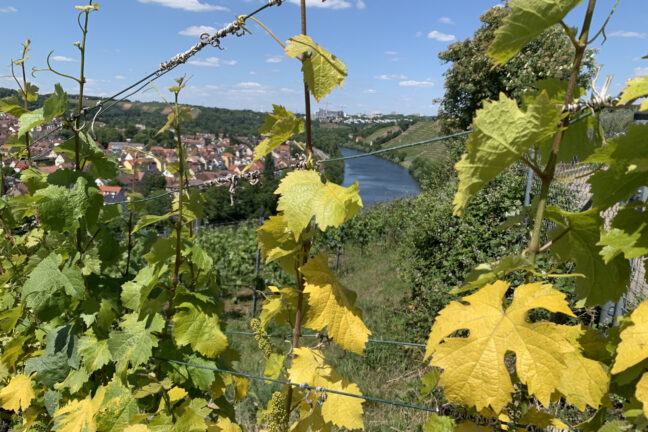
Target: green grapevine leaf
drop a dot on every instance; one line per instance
(541, 419)
(331, 305)
(429, 382)
(636, 88)
(95, 352)
(196, 324)
(59, 358)
(628, 235)
(490, 272)
(604, 282)
(438, 423)
(11, 105)
(322, 70)
(54, 106)
(117, 408)
(502, 134)
(135, 292)
(47, 288)
(191, 416)
(528, 19)
(134, 343)
(147, 220)
(622, 154)
(273, 365)
(278, 127)
(102, 165)
(304, 196)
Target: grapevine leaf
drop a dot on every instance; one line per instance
(633, 348)
(322, 70)
(191, 416)
(273, 365)
(135, 292)
(11, 105)
(30, 120)
(95, 352)
(134, 343)
(310, 367)
(54, 106)
(620, 181)
(280, 306)
(74, 381)
(304, 196)
(584, 382)
(604, 282)
(59, 358)
(502, 133)
(117, 408)
(196, 324)
(527, 20)
(224, 425)
(18, 394)
(147, 220)
(490, 272)
(628, 235)
(137, 428)
(76, 416)
(331, 305)
(46, 288)
(438, 423)
(636, 88)
(277, 242)
(475, 373)
(429, 382)
(642, 392)
(278, 127)
(541, 419)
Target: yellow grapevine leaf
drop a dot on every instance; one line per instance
(527, 20)
(331, 305)
(224, 425)
(322, 70)
(584, 382)
(137, 428)
(502, 133)
(304, 196)
(278, 127)
(281, 306)
(310, 367)
(633, 347)
(18, 394)
(642, 392)
(636, 88)
(76, 416)
(277, 243)
(541, 419)
(474, 369)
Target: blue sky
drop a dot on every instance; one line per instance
(389, 46)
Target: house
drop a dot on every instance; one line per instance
(113, 194)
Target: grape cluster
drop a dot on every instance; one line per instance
(262, 338)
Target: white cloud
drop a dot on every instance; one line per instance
(288, 90)
(420, 84)
(360, 4)
(62, 58)
(628, 34)
(445, 20)
(229, 62)
(329, 4)
(208, 62)
(391, 77)
(274, 59)
(188, 5)
(441, 37)
(369, 91)
(197, 30)
(392, 53)
(8, 9)
(120, 77)
(640, 71)
(248, 85)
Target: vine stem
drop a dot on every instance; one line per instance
(550, 169)
(306, 250)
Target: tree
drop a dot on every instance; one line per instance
(472, 78)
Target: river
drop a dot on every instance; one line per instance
(379, 179)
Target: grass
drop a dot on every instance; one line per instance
(385, 371)
(380, 133)
(420, 131)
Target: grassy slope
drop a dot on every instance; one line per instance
(386, 371)
(421, 131)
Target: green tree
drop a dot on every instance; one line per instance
(471, 77)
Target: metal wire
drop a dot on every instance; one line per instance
(317, 335)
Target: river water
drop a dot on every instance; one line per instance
(378, 179)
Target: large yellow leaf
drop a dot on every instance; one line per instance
(304, 196)
(642, 392)
(277, 243)
(331, 305)
(475, 372)
(77, 416)
(502, 133)
(633, 347)
(223, 425)
(322, 70)
(18, 394)
(310, 367)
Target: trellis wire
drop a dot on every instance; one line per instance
(326, 390)
(317, 335)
